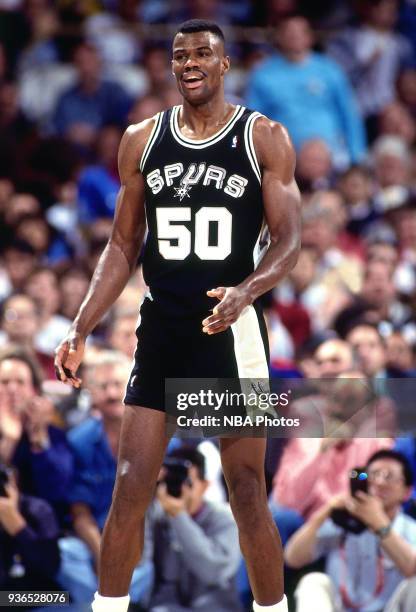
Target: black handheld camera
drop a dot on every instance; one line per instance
(342, 518)
(176, 475)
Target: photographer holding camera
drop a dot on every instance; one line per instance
(29, 553)
(196, 550)
(363, 566)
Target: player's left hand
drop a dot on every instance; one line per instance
(232, 302)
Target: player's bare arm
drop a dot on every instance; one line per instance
(281, 203)
(119, 257)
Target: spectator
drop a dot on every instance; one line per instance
(372, 53)
(19, 325)
(40, 26)
(16, 131)
(93, 102)
(43, 457)
(403, 221)
(98, 184)
(392, 165)
(42, 286)
(112, 33)
(95, 447)
(19, 321)
(145, 107)
(377, 303)
(388, 543)
(399, 353)
(35, 230)
(18, 206)
(303, 288)
(49, 248)
(324, 220)
(333, 357)
(196, 551)
(382, 252)
(156, 61)
(313, 470)
(122, 334)
(369, 348)
(32, 442)
(396, 120)
(29, 553)
(19, 261)
(308, 93)
(20, 381)
(379, 291)
(73, 285)
(406, 88)
(356, 187)
(314, 166)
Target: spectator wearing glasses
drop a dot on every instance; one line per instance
(362, 570)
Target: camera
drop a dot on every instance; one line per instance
(358, 482)
(176, 475)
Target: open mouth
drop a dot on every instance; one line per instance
(192, 80)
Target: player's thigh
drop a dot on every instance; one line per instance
(143, 443)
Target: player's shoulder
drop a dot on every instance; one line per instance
(269, 135)
(268, 128)
(134, 141)
(139, 132)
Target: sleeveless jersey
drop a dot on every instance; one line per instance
(204, 212)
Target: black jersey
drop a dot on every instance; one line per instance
(204, 211)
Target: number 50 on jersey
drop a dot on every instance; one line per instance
(175, 240)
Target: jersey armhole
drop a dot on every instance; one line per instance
(249, 144)
(151, 140)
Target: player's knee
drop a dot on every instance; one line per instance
(130, 500)
(247, 494)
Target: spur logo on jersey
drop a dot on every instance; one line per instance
(195, 174)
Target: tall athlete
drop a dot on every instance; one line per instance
(201, 177)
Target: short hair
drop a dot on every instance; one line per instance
(361, 322)
(292, 15)
(356, 169)
(12, 296)
(16, 353)
(103, 359)
(386, 453)
(194, 456)
(200, 25)
(21, 246)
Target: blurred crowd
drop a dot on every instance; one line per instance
(341, 76)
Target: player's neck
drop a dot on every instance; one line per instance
(203, 119)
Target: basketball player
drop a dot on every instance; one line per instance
(201, 177)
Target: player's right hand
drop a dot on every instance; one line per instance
(68, 357)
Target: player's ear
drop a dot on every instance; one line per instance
(171, 64)
(225, 64)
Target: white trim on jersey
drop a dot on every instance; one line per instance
(151, 140)
(202, 144)
(249, 349)
(248, 141)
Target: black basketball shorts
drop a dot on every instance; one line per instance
(178, 348)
